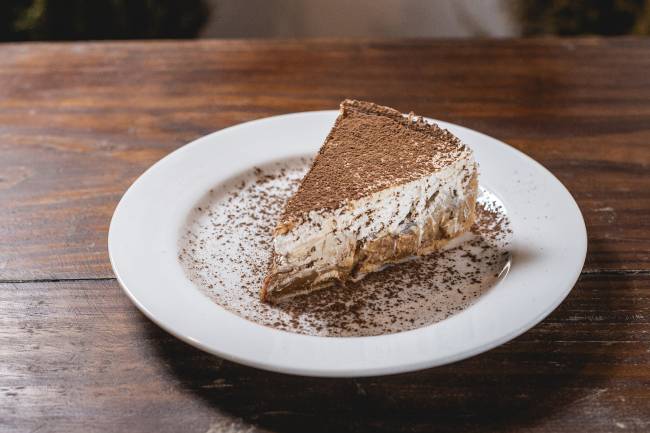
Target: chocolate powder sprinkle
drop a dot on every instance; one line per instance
(370, 148)
(226, 245)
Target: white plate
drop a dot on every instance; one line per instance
(549, 245)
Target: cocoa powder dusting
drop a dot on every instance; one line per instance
(227, 244)
(370, 148)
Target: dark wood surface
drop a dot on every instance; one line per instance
(79, 122)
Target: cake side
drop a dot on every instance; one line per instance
(365, 235)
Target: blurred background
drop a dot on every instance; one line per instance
(41, 20)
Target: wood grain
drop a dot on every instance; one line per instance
(79, 122)
(77, 356)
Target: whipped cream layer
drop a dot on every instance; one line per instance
(364, 235)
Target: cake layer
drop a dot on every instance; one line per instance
(368, 234)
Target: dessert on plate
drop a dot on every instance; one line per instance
(384, 188)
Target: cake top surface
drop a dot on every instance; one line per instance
(371, 148)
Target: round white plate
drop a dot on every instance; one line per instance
(549, 245)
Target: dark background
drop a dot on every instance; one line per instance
(36, 20)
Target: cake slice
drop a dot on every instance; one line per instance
(384, 188)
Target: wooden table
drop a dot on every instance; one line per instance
(79, 122)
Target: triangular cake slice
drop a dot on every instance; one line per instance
(384, 187)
